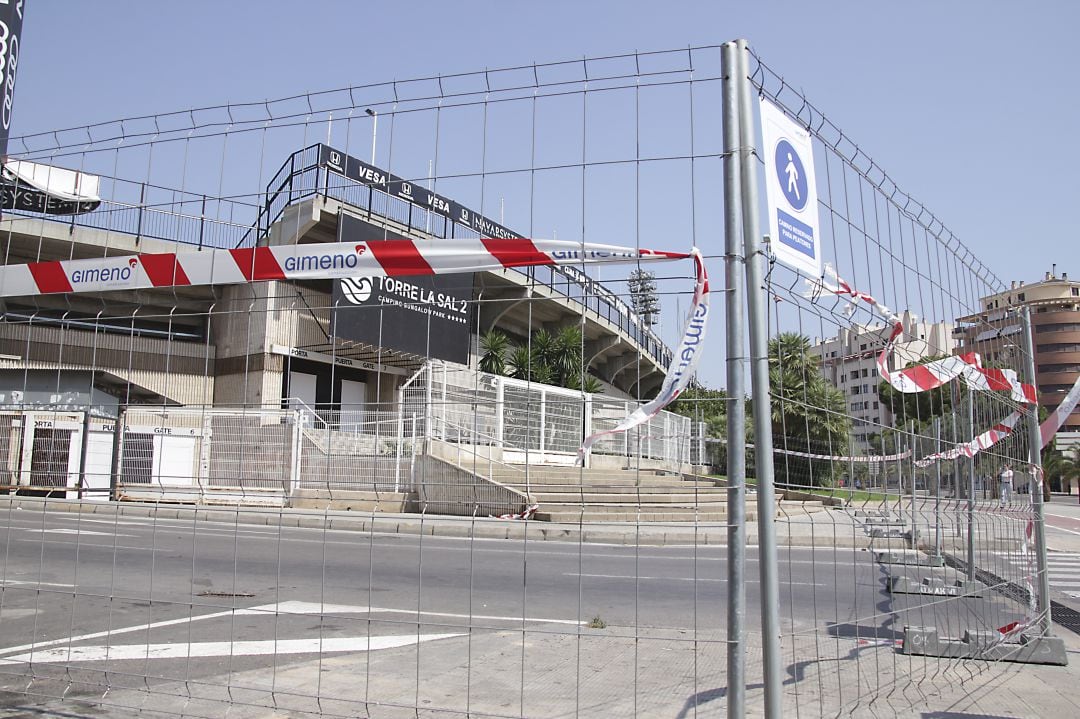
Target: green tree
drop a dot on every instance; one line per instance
(547, 358)
(495, 348)
(808, 413)
(1061, 468)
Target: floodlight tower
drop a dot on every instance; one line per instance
(642, 284)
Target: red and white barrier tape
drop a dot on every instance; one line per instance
(931, 375)
(684, 361)
(526, 513)
(382, 258)
(829, 457)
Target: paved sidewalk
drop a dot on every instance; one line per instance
(558, 672)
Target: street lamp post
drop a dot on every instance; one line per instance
(374, 130)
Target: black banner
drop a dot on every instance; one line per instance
(16, 196)
(353, 168)
(11, 21)
(429, 316)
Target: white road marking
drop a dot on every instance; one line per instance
(79, 532)
(1062, 529)
(674, 579)
(32, 583)
(287, 607)
(136, 628)
(315, 608)
(260, 647)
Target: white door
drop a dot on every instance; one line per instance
(353, 397)
(174, 461)
(302, 390)
(98, 472)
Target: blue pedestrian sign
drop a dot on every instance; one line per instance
(792, 175)
(791, 191)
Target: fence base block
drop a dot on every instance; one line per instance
(936, 586)
(889, 532)
(872, 513)
(988, 645)
(884, 521)
(909, 558)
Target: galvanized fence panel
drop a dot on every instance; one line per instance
(223, 501)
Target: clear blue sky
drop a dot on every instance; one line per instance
(970, 105)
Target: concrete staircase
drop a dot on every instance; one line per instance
(572, 494)
(348, 500)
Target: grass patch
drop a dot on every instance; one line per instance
(855, 496)
(597, 623)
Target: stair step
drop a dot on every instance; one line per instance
(578, 498)
(356, 501)
(591, 516)
(587, 481)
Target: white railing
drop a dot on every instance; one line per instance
(537, 423)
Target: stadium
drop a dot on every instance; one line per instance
(339, 392)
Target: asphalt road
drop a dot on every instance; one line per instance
(90, 602)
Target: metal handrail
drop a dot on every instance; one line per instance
(644, 337)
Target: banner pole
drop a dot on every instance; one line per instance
(756, 263)
(1035, 459)
(736, 407)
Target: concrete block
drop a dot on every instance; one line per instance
(917, 559)
(936, 586)
(990, 646)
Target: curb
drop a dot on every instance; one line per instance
(385, 523)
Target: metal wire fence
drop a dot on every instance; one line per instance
(364, 494)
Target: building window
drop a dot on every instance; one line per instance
(865, 373)
(1020, 297)
(1076, 291)
(875, 405)
(855, 389)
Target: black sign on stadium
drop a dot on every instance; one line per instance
(355, 169)
(428, 315)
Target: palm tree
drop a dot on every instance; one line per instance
(495, 347)
(808, 414)
(565, 358)
(1063, 466)
(546, 359)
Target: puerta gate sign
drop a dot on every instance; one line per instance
(425, 315)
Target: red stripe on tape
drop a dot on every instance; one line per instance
(164, 270)
(924, 379)
(400, 258)
(516, 253)
(49, 277)
(257, 263)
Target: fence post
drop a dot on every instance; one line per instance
(297, 453)
(500, 411)
(142, 203)
(937, 489)
(587, 423)
(202, 221)
(117, 453)
(755, 262)
(736, 408)
(971, 490)
(1035, 459)
(543, 422)
(914, 515)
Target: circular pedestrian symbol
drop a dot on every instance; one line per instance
(790, 174)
